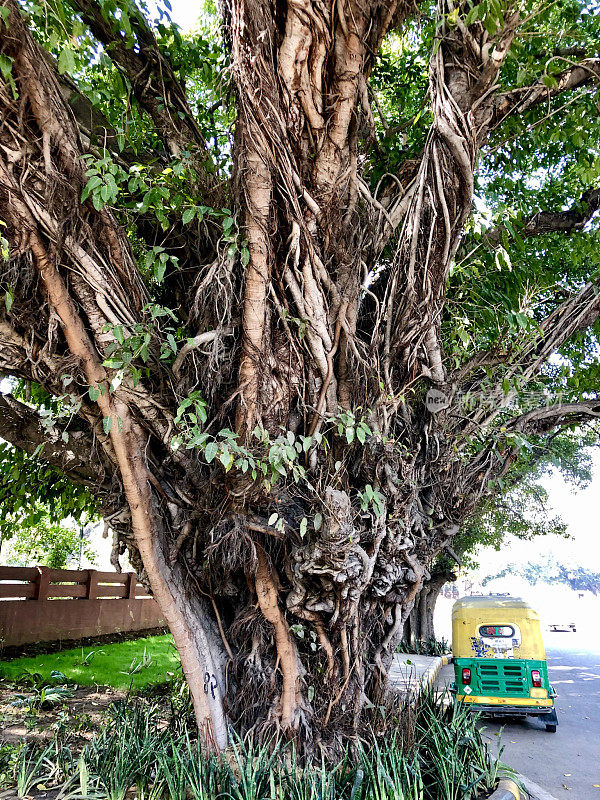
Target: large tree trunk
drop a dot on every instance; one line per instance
(289, 539)
(419, 626)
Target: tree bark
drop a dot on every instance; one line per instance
(419, 627)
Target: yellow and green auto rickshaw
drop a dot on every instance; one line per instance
(499, 658)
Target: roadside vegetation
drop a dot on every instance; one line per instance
(147, 749)
(134, 664)
(425, 647)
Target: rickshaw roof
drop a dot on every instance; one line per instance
(490, 601)
(469, 613)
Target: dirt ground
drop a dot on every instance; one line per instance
(81, 713)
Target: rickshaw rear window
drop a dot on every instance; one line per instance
(497, 631)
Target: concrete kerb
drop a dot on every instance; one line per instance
(412, 673)
(532, 790)
(432, 672)
(509, 790)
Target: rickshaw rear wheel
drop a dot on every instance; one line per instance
(550, 727)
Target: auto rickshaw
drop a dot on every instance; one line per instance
(499, 658)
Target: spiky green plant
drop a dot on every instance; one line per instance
(126, 751)
(252, 778)
(390, 773)
(202, 772)
(31, 769)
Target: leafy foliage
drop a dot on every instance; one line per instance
(47, 544)
(521, 509)
(35, 497)
(577, 578)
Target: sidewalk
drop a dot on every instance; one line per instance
(410, 672)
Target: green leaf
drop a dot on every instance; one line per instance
(464, 336)
(8, 300)
(107, 424)
(549, 81)
(318, 521)
(66, 61)
(307, 443)
(210, 451)
(113, 363)
(6, 64)
(188, 215)
(93, 393)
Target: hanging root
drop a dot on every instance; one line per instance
(287, 656)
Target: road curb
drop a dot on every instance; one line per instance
(532, 790)
(432, 672)
(507, 790)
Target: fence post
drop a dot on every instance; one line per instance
(131, 584)
(92, 585)
(42, 584)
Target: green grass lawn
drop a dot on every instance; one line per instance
(109, 666)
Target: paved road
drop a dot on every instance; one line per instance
(565, 763)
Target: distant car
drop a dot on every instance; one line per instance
(563, 627)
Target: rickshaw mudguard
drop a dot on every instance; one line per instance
(523, 704)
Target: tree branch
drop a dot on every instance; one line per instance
(152, 77)
(577, 312)
(543, 420)
(519, 101)
(77, 457)
(542, 222)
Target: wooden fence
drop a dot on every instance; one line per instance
(99, 603)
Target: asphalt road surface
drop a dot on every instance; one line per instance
(566, 763)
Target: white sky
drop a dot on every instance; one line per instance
(184, 12)
(579, 509)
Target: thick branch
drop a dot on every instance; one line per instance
(576, 313)
(543, 420)
(519, 101)
(77, 457)
(152, 77)
(542, 222)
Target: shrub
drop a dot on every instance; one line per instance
(432, 750)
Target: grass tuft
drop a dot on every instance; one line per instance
(136, 664)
